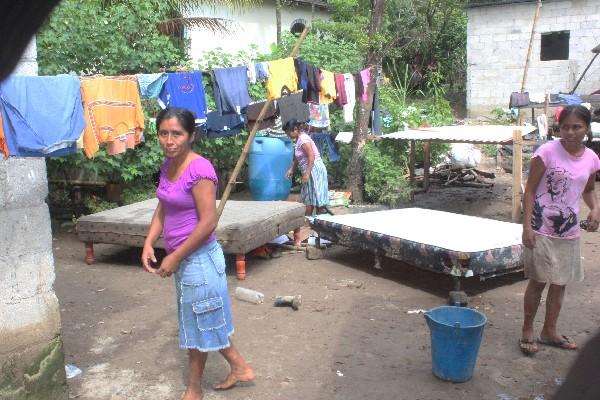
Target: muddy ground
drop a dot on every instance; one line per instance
(351, 339)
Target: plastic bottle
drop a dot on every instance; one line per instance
(249, 295)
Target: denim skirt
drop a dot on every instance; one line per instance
(203, 305)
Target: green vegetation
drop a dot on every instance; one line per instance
(422, 44)
(82, 37)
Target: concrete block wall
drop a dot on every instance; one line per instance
(31, 359)
(497, 43)
(31, 356)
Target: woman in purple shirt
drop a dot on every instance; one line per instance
(187, 218)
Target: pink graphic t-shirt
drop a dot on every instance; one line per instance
(557, 197)
(181, 214)
(299, 152)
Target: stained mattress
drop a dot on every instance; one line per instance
(434, 240)
(244, 225)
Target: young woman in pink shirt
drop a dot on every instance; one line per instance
(561, 172)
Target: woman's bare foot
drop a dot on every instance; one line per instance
(236, 376)
(192, 394)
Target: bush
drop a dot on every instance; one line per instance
(82, 37)
(384, 175)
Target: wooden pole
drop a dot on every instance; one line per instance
(547, 134)
(517, 173)
(526, 69)
(246, 149)
(426, 164)
(411, 161)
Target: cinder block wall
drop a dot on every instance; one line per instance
(497, 43)
(31, 357)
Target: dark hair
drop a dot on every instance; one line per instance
(185, 118)
(291, 125)
(577, 110)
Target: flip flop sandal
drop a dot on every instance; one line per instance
(524, 349)
(564, 343)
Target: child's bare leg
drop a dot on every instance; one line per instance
(240, 370)
(194, 385)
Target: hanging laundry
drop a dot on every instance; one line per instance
(282, 78)
(151, 84)
(350, 98)
(218, 126)
(262, 70)
(341, 99)
(376, 114)
(42, 116)
(185, 90)
(292, 107)
(358, 85)
(323, 139)
(3, 144)
(302, 73)
(327, 94)
(319, 115)
(251, 73)
(365, 78)
(113, 111)
(230, 87)
(309, 78)
(252, 112)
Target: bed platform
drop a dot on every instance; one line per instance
(443, 242)
(244, 226)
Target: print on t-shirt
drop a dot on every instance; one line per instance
(552, 205)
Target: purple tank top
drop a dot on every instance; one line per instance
(181, 215)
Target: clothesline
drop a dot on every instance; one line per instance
(92, 110)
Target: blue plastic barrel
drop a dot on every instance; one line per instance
(268, 160)
(455, 339)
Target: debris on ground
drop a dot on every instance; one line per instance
(72, 371)
(249, 295)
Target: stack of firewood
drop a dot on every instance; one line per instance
(456, 175)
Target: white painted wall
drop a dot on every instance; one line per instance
(497, 42)
(256, 25)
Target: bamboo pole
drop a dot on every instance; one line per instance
(246, 149)
(517, 173)
(526, 69)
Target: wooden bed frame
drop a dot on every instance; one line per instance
(243, 227)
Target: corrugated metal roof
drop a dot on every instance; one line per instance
(317, 3)
(462, 133)
(483, 3)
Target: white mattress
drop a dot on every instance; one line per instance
(446, 230)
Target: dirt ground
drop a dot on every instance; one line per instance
(351, 339)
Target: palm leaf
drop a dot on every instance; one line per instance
(174, 25)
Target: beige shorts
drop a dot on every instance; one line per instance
(552, 260)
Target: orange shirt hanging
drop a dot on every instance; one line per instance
(113, 113)
(3, 145)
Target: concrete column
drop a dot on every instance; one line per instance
(31, 357)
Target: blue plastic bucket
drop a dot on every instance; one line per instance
(455, 339)
(269, 159)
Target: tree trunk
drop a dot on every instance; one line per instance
(278, 20)
(357, 164)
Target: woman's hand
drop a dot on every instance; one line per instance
(148, 257)
(528, 237)
(306, 177)
(593, 220)
(289, 173)
(168, 266)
